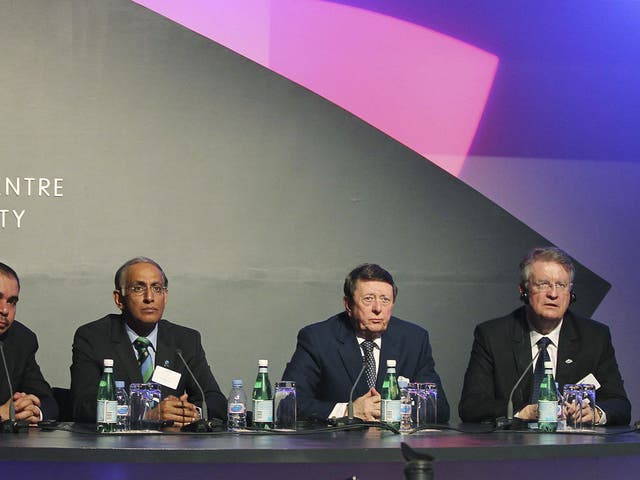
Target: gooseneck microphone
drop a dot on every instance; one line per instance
(353, 389)
(202, 425)
(503, 422)
(350, 419)
(10, 425)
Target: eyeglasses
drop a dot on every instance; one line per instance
(139, 290)
(369, 299)
(545, 286)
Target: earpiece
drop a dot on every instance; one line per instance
(524, 295)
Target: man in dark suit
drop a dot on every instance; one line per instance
(580, 349)
(32, 398)
(141, 294)
(330, 354)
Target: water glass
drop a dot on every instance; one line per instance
(143, 399)
(284, 406)
(588, 392)
(424, 400)
(572, 405)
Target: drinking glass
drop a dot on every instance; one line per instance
(284, 405)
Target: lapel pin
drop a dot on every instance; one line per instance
(166, 363)
(568, 360)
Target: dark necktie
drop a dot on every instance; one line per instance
(538, 372)
(370, 362)
(144, 359)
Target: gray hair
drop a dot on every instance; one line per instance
(121, 273)
(545, 254)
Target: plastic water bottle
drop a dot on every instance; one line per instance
(122, 411)
(237, 407)
(406, 424)
(106, 400)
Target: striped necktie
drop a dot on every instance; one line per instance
(538, 372)
(142, 344)
(370, 361)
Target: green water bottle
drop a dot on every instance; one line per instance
(390, 408)
(107, 406)
(262, 398)
(548, 401)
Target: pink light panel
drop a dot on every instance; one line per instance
(423, 88)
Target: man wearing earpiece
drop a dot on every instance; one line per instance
(579, 349)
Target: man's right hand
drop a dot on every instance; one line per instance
(367, 407)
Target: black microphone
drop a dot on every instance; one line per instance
(202, 425)
(350, 419)
(502, 422)
(10, 425)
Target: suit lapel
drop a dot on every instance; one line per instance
(521, 345)
(350, 352)
(567, 352)
(126, 357)
(391, 350)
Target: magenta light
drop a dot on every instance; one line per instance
(423, 88)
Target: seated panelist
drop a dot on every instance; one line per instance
(580, 349)
(329, 355)
(143, 347)
(32, 397)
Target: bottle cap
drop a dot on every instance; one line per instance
(236, 383)
(108, 362)
(548, 365)
(263, 363)
(403, 382)
(119, 383)
(391, 363)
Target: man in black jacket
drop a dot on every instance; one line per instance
(32, 397)
(580, 349)
(138, 333)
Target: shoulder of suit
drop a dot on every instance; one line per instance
(509, 322)
(103, 323)
(397, 324)
(19, 330)
(175, 329)
(581, 322)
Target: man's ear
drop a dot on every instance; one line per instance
(347, 307)
(117, 298)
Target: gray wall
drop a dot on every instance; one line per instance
(255, 195)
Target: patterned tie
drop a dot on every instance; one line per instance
(370, 361)
(538, 372)
(144, 359)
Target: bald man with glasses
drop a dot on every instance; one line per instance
(141, 344)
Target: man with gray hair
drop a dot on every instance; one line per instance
(579, 349)
(142, 344)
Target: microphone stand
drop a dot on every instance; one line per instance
(506, 422)
(350, 419)
(203, 425)
(10, 425)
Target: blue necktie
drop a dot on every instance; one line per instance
(144, 359)
(538, 372)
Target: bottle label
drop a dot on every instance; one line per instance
(405, 409)
(547, 411)
(237, 407)
(106, 411)
(263, 411)
(390, 412)
(100, 411)
(123, 410)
